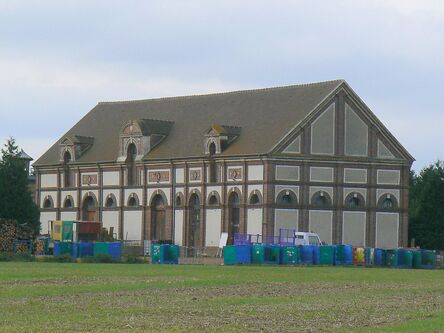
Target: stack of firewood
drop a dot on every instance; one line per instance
(8, 233)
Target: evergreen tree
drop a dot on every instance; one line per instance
(16, 201)
(426, 213)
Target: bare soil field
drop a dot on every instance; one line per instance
(54, 297)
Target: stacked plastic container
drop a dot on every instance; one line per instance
(328, 255)
(164, 254)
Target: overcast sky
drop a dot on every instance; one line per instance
(59, 58)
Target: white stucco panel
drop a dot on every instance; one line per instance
(213, 224)
(255, 172)
(111, 178)
(254, 221)
(132, 225)
(48, 180)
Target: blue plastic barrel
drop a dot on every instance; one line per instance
(115, 250)
(243, 254)
(56, 250)
(86, 249)
(307, 254)
(344, 255)
(75, 249)
(379, 257)
(316, 255)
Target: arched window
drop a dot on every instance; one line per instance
(48, 203)
(387, 202)
(158, 220)
(213, 169)
(193, 226)
(133, 200)
(212, 148)
(255, 198)
(354, 201)
(89, 208)
(321, 199)
(178, 201)
(233, 216)
(131, 154)
(286, 198)
(213, 200)
(66, 169)
(110, 201)
(69, 202)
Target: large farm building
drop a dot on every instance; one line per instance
(311, 157)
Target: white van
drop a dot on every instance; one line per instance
(307, 238)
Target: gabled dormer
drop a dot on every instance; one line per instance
(218, 137)
(74, 146)
(141, 135)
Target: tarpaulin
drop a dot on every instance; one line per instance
(57, 230)
(89, 228)
(67, 231)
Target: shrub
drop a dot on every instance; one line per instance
(60, 258)
(100, 258)
(8, 256)
(132, 260)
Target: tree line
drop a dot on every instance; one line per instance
(16, 199)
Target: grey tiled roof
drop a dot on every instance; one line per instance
(263, 115)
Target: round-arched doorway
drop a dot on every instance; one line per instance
(89, 209)
(233, 216)
(158, 218)
(193, 224)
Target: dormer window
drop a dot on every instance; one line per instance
(144, 134)
(72, 147)
(219, 137)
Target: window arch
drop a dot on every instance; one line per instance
(133, 200)
(387, 202)
(255, 198)
(89, 207)
(214, 199)
(321, 199)
(69, 202)
(66, 169)
(178, 202)
(110, 201)
(131, 154)
(286, 198)
(212, 148)
(354, 201)
(48, 203)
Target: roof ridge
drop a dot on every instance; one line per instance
(222, 93)
(157, 120)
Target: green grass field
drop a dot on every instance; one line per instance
(53, 297)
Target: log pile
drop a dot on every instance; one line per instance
(8, 233)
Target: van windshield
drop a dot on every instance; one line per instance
(313, 240)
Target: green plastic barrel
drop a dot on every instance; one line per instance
(173, 253)
(100, 248)
(327, 253)
(156, 253)
(428, 259)
(416, 259)
(65, 247)
(290, 255)
(258, 254)
(405, 259)
(230, 255)
(391, 258)
(369, 254)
